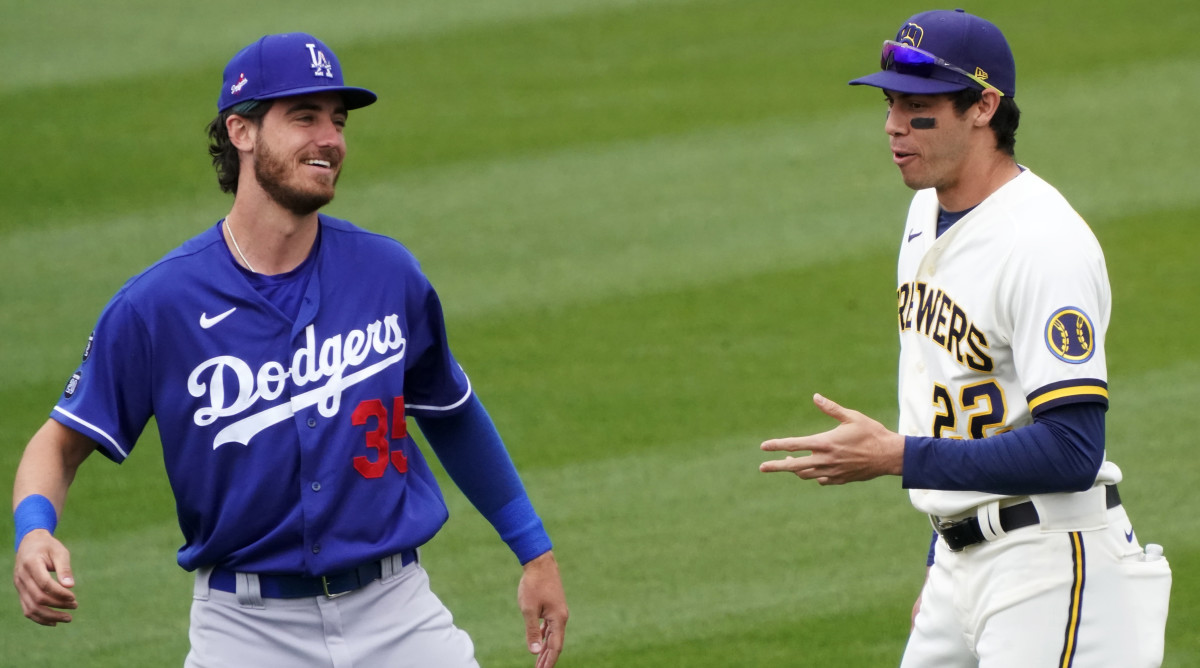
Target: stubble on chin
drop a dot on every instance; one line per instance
(272, 174)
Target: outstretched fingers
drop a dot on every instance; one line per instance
(833, 409)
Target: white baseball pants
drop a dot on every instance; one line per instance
(1068, 599)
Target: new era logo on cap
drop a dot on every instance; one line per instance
(284, 65)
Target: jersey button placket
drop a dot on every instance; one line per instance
(314, 504)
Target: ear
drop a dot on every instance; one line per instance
(986, 107)
(242, 132)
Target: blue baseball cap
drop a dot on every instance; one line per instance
(945, 51)
(285, 65)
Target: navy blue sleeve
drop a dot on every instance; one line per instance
(470, 449)
(1060, 452)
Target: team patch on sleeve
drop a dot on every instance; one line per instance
(72, 384)
(1070, 335)
(1068, 392)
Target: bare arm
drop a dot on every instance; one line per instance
(47, 468)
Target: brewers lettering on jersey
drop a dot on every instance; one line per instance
(934, 314)
(281, 352)
(1003, 303)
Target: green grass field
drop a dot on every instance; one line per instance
(658, 227)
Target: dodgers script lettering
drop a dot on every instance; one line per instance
(310, 364)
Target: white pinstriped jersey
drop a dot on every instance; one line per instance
(1001, 317)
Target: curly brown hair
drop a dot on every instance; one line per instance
(224, 153)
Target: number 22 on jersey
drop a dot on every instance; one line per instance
(980, 407)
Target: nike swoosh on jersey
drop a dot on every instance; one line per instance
(914, 235)
(207, 322)
(1129, 535)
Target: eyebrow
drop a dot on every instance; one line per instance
(313, 106)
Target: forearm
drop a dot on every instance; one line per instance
(1060, 452)
(49, 464)
(475, 458)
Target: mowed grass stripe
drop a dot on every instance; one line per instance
(606, 379)
(486, 91)
(662, 548)
(73, 41)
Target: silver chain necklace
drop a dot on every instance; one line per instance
(237, 247)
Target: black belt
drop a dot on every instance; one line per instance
(302, 586)
(965, 533)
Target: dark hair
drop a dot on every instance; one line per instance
(1004, 123)
(224, 153)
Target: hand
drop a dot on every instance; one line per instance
(857, 449)
(42, 596)
(541, 598)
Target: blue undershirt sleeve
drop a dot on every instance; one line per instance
(1060, 452)
(470, 449)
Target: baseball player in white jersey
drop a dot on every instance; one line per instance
(1002, 306)
(280, 352)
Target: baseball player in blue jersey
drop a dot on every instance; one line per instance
(281, 351)
(1002, 307)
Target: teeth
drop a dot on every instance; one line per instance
(318, 163)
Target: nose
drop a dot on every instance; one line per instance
(893, 125)
(329, 133)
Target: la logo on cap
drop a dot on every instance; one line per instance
(320, 64)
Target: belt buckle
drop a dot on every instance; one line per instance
(940, 524)
(325, 588)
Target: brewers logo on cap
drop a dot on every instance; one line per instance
(911, 34)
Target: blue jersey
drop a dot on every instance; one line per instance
(284, 439)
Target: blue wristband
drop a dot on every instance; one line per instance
(34, 512)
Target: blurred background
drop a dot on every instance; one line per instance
(658, 227)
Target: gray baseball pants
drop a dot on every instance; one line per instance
(394, 622)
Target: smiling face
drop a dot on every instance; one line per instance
(931, 143)
(299, 149)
